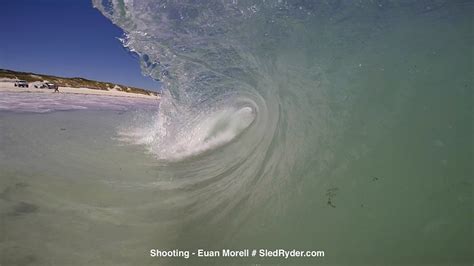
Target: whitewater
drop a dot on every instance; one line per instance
(343, 126)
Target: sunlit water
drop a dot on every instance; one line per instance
(44, 103)
(336, 126)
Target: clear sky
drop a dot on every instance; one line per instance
(66, 38)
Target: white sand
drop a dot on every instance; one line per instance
(8, 86)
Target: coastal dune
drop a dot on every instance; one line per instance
(7, 85)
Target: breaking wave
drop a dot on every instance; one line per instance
(262, 99)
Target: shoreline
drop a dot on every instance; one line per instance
(8, 86)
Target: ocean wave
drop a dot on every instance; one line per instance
(259, 95)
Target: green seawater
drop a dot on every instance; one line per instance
(325, 127)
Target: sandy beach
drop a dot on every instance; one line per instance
(8, 86)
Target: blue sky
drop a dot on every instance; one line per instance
(65, 38)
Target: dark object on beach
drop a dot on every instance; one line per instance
(63, 129)
(41, 86)
(53, 86)
(21, 84)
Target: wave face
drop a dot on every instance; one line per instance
(269, 105)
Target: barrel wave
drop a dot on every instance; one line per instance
(281, 121)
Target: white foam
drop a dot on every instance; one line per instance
(170, 141)
(48, 102)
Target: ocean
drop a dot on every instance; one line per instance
(336, 126)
